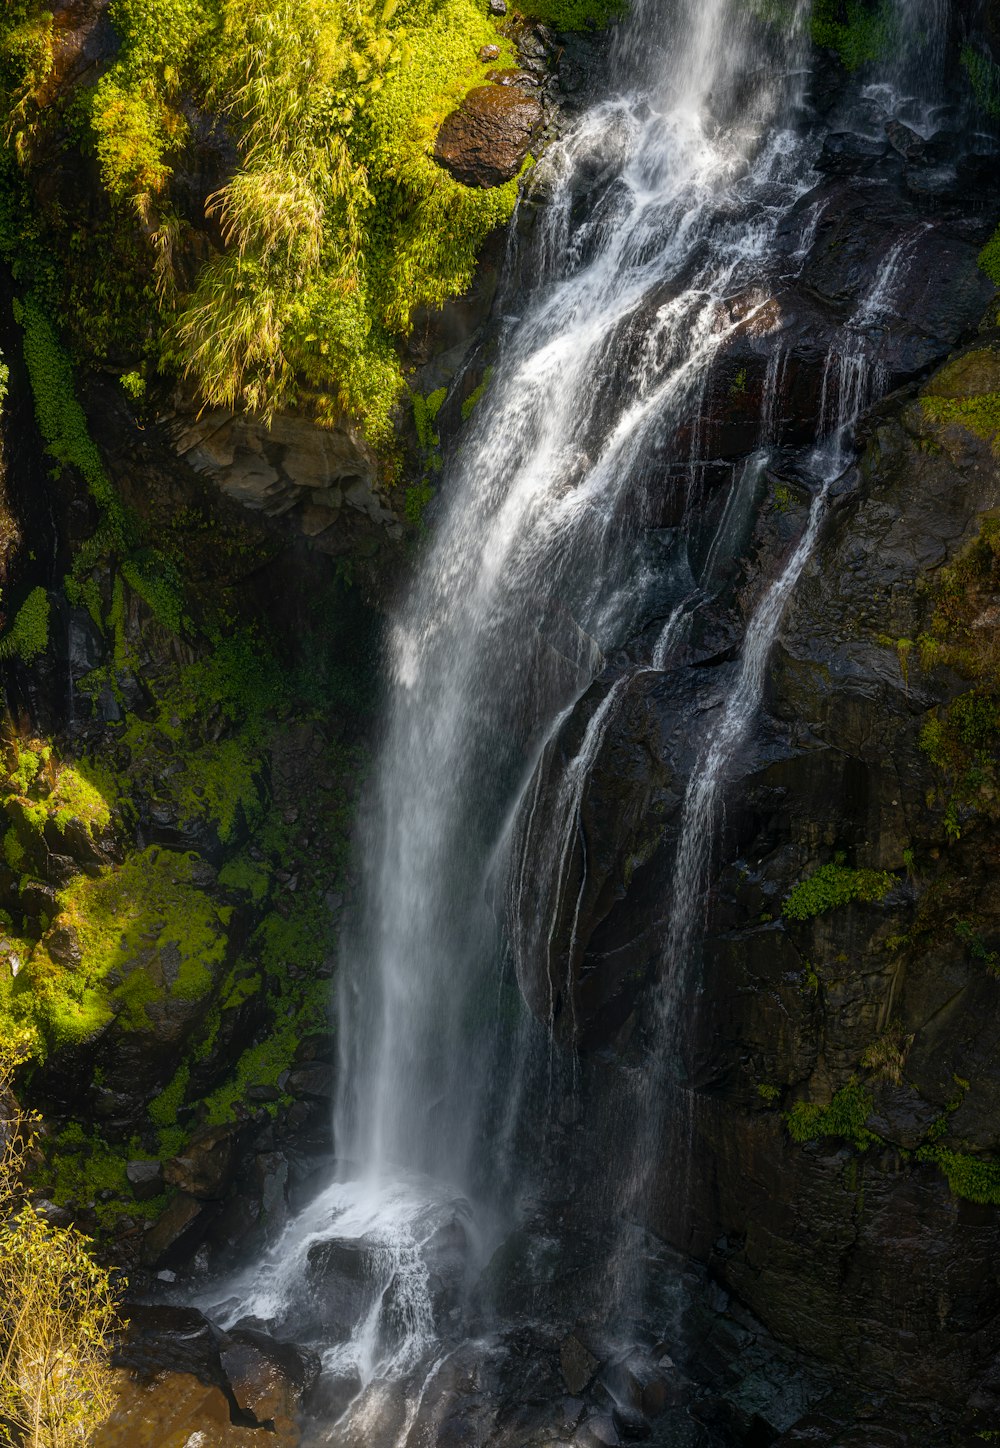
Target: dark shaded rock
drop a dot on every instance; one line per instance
(847, 152)
(315, 1080)
(145, 1179)
(598, 1432)
(485, 141)
(170, 1339)
(344, 1277)
(37, 900)
(577, 1364)
(177, 1232)
(63, 944)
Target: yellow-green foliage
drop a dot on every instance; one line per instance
(338, 225)
(57, 1306)
(965, 393)
(832, 886)
(130, 921)
(40, 791)
(28, 635)
(962, 740)
(178, 755)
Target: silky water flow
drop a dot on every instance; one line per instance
(536, 572)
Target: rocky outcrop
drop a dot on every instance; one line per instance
(325, 478)
(486, 140)
(182, 1382)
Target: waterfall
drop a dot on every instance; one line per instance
(538, 573)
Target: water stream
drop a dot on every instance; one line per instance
(538, 572)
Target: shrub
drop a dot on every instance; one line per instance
(845, 1116)
(832, 886)
(57, 1307)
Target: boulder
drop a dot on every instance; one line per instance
(269, 1379)
(145, 1179)
(207, 1165)
(486, 140)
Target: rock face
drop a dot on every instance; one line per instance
(486, 140)
(324, 478)
(868, 1239)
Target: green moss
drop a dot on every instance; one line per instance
(972, 1177)
(770, 1094)
(28, 635)
(129, 920)
(989, 258)
(248, 877)
(163, 1109)
(844, 1116)
(984, 77)
(86, 1168)
(475, 397)
(13, 851)
(858, 32)
(833, 886)
(425, 411)
(979, 415)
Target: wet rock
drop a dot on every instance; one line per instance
(145, 1179)
(179, 1409)
(269, 1379)
(485, 141)
(598, 1431)
(161, 1339)
(577, 1364)
(314, 1080)
(847, 152)
(344, 1278)
(38, 900)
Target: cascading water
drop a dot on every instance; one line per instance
(539, 570)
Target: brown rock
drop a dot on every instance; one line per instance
(269, 1379)
(206, 1167)
(178, 1411)
(489, 52)
(485, 142)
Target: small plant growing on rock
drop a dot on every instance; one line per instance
(886, 1056)
(834, 885)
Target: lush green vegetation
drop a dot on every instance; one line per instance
(28, 635)
(844, 1116)
(336, 226)
(984, 76)
(972, 1177)
(832, 886)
